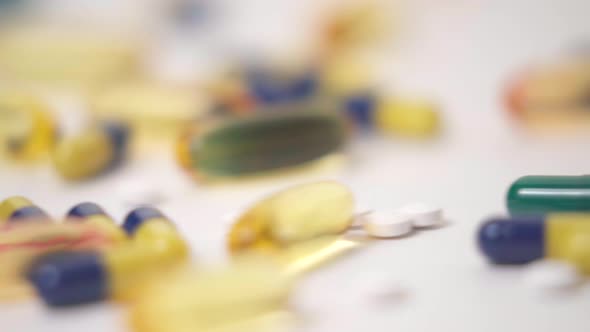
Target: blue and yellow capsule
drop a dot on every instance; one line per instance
(17, 209)
(93, 214)
(520, 240)
(81, 277)
(92, 153)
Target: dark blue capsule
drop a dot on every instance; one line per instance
(28, 213)
(268, 89)
(84, 210)
(118, 133)
(138, 216)
(360, 107)
(69, 278)
(513, 240)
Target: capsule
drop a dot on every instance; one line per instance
(360, 108)
(545, 194)
(292, 216)
(520, 240)
(115, 273)
(93, 152)
(411, 118)
(268, 88)
(17, 209)
(92, 214)
(27, 131)
(262, 143)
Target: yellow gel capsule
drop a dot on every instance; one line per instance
(83, 156)
(107, 227)
(293, 215)
(10, 205)
(210, 299)
(408, 118)
(27, 131)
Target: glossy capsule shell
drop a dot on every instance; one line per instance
(95, 151)
(92, 214)
(545, 194)
(114, 273)
(520, 240)
(17, 208)
(293, 215)
(264, 142)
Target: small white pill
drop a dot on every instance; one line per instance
(423, 215)
(551, 275)
(387, 224)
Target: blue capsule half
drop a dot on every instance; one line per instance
(28, 213)
(139, 216)
(512, 240)
(84, 210)
(118, 134)
(69, 278)
(360, 107)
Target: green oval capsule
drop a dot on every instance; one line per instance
(265, 142)
(544, 194)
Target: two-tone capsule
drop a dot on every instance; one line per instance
(265, 142)
(94, 215)
(71, 278)
(92, 152)
(540, 194)
(520, 240)
(17, 209)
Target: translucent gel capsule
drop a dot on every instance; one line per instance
(91, 153)
(15, 209)
(408, 118)
(27, 131)
(265, 142)
(114, 273)
(211, 299)
(93, 215)
(294, 215)
(543, 194)
(520, 240)
(552, 95)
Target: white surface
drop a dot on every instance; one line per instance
(461, 52)
(388, 224)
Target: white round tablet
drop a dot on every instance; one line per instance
(551, 275)
(423, 215)
(387, 224)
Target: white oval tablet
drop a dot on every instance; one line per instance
(551, 275)
(423, 215)
(387, 224)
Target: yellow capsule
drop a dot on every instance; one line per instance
(293, 215)
(199, 300)
(10, 205)
(408, 118)
(561, 228)
(83, 156)
(107, 227)
(578, 252)
(27, 131)
(162, 238)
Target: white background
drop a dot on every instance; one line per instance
(460, 52)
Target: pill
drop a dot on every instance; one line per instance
(16, 209)
(541, 194)
(140, 215)
(92, 214)
(27, 130)
(549, 275)
(265, 142)
(293, 215)
(91, 153)
(423, 215)
(388, 224)
(413, 118)
(62, 278)
(360, 107)
(268, 87)
(523, 239)
(113, 273)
